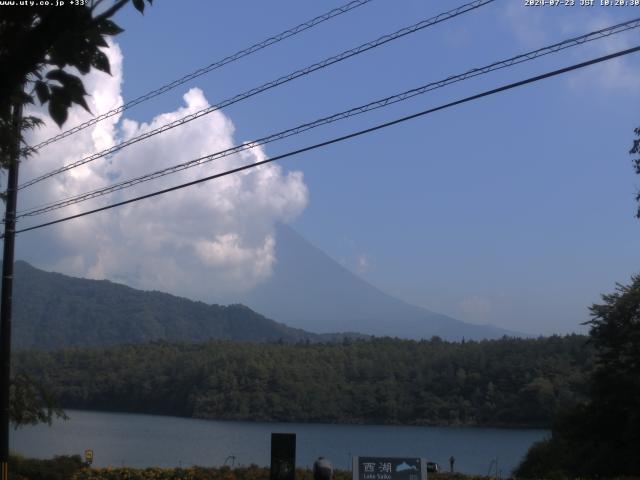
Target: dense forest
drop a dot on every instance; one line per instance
(507, 382)
(56, 311)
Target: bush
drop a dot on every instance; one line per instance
(61, 467)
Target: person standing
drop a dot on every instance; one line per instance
(452, 460)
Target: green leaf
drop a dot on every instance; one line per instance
(72, 88)
(98, 40)
(101, 62)
(55, 74)
(58, 111)
(70, 82)
(77, 95)
(139, 4)
(82, 56)
(60, 95)
(65, 78)
(82, 102)
(42, 90)
(83, 64)
(108, 27)
(63, 49)
(30, 122)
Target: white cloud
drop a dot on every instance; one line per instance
(615, 75)
(205, 241)
(537, 27)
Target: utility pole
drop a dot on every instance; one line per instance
(7, 289)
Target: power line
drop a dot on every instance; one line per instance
(202, 71)
(269, 85)
(605, 32)
(342, 138)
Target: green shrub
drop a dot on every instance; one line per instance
(61, 467)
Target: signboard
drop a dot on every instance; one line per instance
(88, 456)
(389, 468)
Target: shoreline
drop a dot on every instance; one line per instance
(347, 422)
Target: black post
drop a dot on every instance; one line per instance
(283, 456)
(7, 290)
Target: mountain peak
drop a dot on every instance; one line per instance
(310, 290)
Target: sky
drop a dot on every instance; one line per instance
(516, 209)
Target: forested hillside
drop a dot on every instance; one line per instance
(507, 382)
(55, 311)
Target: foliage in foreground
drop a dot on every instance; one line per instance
(30, 403)
(59, 468)
(191, 473)
(507, 382)
(600, 437)
(40, 46)
(252, 472)
(223, 473)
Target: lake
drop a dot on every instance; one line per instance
(119, 439)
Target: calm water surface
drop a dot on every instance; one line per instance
(148, 440)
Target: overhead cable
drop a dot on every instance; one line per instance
(524, 57)
(340, 139)
(213, 66)
(269, 85)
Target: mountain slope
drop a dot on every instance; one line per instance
(51, 310)
(310, 290)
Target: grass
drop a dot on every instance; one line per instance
(72, 468)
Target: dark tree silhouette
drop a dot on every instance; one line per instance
(635, 150)
(602, 436)
(38, 47)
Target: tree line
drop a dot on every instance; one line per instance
(506, 382)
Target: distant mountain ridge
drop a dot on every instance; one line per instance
(51, 310)
(310, 290)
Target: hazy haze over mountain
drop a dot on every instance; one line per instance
(307, 292)
(310, 290)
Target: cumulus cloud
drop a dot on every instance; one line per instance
(205, 242)
(537, 27)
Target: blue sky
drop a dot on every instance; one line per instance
(516, 210)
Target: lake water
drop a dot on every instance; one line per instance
(149, 440)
